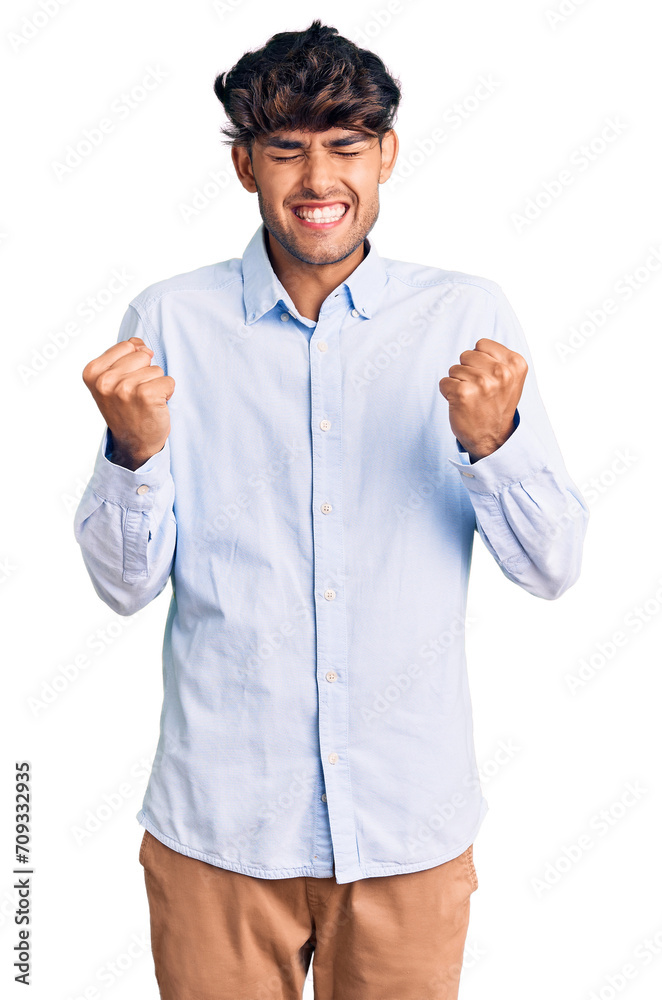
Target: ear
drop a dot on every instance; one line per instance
(243, 167)
(390, 147)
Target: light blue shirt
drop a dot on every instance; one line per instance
(316, 516)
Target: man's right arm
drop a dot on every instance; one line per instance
(125, 522)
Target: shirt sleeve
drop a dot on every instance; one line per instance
(529, 513)
(125, 521)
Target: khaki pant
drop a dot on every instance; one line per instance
(222, 935)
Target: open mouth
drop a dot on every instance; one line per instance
(321, 218)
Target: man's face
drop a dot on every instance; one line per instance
(337, 172)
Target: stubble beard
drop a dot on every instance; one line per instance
(328, 250)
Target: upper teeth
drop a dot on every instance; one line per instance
(326, 214)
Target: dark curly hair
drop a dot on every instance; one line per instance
(310, 80)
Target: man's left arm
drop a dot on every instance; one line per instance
(529, 513)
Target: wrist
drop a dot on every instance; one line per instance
(486, 446)
(123, 453)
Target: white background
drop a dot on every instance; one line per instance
(555, 81)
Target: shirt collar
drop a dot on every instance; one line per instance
(263, 290)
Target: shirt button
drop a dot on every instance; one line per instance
(324, 797)
(284, 317)
(470, 474)
(322, 345)
(326, 508)
(325, 424)
(143, 489)
(333, 758)
(355, 312)
(329, 594)
(331, 675)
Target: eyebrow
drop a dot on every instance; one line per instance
(347, 140)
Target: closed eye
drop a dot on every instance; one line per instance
(286, 159)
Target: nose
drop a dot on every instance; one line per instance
(318, 174)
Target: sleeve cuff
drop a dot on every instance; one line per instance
(132, 488)
(521, 455)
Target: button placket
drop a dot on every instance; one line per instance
(331, 629)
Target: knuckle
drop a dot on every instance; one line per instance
(143, 390)
(123, 391)
(103, 383)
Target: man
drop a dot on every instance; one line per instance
(304, 441)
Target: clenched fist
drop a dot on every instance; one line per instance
(483, 392)
(132, 395)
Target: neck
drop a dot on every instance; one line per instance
(309, 284)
